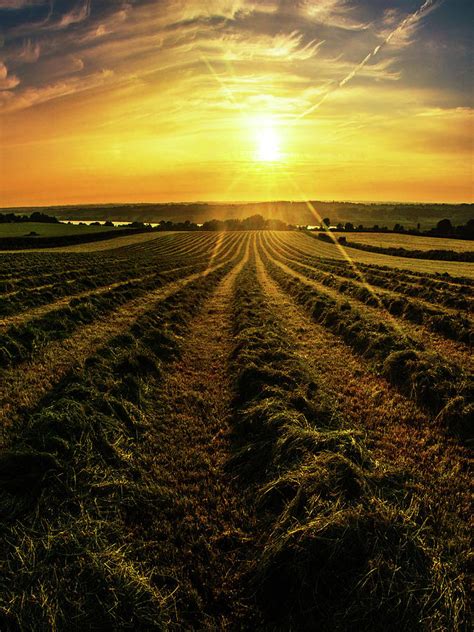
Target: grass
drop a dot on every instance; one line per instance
(430, 378)
(126, 504)
(451, 325)
(410, 242)
(343, 546)
(314, 246)
(75, 461)
(50, 230)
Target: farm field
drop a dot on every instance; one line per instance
(234, 431)
(410, 242)
(304, 242)
(97, 246)
(49, 229)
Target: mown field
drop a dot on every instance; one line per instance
(234, 431)
(43, 229)
(410, 242)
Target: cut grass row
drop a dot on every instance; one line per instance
(344, 545)
(446, 270)
(20, 342)
(450, 325)
(70, 267)
(442, 387)
(457, 296)
(75, 495)
(78, 282)
(399, 251)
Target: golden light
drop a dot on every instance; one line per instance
(268, 144)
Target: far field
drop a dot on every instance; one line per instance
(22, 229)
(410, 242)
(234, 431)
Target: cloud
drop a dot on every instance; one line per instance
(408, 22)
(78, 14)
(30, 52)
(399, 33)
(7, 82)
(28, 97)
(21, 4)
(284, 47)
(336, 13)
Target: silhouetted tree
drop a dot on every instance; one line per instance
(444, 226)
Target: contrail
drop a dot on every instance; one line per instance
(410, 19)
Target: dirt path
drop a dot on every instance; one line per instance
(201, 539)
(21, 387)
(398, 432)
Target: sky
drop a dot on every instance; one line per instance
(107, 101)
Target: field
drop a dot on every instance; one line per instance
(410, 242)
(48, 230)
(234, 431)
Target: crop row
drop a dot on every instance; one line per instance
(338, 545)
(75, 496)
(442, 387)
(423, 287)
(66, 267)
(20, 342)
(95, 277)
(435, 277)
(451, 325)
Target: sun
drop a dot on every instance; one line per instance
(268, 144)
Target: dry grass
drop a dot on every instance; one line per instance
(410, 242)
(321, 249)
(233, 448)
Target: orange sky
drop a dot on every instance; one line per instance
(242, 100)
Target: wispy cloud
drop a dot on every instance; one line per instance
(7, 81)
(408, 23)
(20, 99)
(337, 13)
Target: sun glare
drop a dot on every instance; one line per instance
(268, 144)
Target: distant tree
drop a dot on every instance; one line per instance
(360, 227)
(348, 226)
(326, 223)
(340, 226)
(275, 224)
(108, 223)
(43, 218)
(469, 229)
(254, 222)
(444, 226)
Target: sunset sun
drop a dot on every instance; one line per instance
(268, 144)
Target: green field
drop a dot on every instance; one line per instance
(410, 242)
(49, 230)
(233, 431)
(309, 243)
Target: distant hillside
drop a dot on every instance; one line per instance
(386, 214)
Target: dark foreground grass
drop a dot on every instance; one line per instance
(345, 544)
(75, 494)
